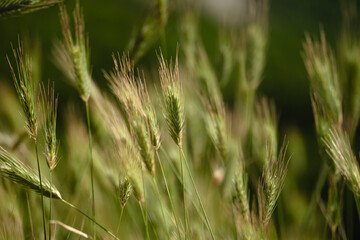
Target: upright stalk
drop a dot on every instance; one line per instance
(183, 190)
(118, 227)
(145, 221)
(161, 204)
(145, 217)
(42, 194)
(90, 218)
(168, 193)
(50, 207)
(198, 197)
(91, 165)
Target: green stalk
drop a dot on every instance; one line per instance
(90, 218)
(91, 165)
(145, 217)
(198, 197)
(145, 221)
(183, 190)
(161, 204)
(168, 193)
(118, 227)
(42, 194)
(50, 207)
(177, 175)
(357, 205)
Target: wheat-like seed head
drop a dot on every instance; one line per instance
(123, 141)
(49, 107)
(339, 150)
(241, 194)
(217, 130)
(153, 127)
(134, 99)
(273, 178)
(13, 7)
(17, 172)
(253, 45)
(128, 90)
(77, 51)
(22, 76)
(264, 131)
(150, 31)
(143, 141)
(125, 191)
(172, 98)
(321, 67)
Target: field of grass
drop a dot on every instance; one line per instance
(171, 134)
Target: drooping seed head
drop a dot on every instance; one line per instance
(22, 76)
(338, 148)
(172, 98)
(14, 7)
(14, 170)
(125, 191)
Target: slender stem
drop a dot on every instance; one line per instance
(30, 218)
(234, 220)
(314, 197)
(145, 217)
(50, 207)
(42, 193)
(168, 193)
(183, 190)
(91, 165)
(177, 175)
(198, 197)
(90, 218)
(161, 204)
(357, 205)
(145, 221)
(118, 227)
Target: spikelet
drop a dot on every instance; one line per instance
(241, 194)
(272, 183)
(75, 58)
(252, 56)
(22, 76)
(127, 89)
(14, 170)
(123, 141)
(142, 140)
(153, 128)
(133, 97)
(125, 190)
(264, 131)
(172, 98)
(150, 32)
(216, 128)
(339, 150)
(49, 107)
(14, 7)
(321, 67)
